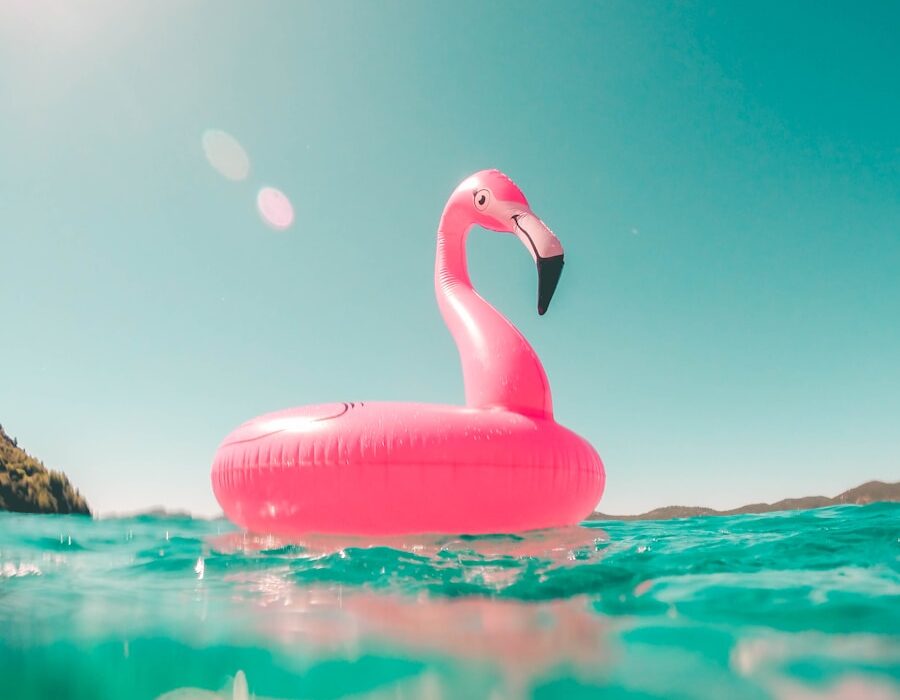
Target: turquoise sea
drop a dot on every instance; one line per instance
(786, 605)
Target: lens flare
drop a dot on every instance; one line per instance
(275, 208)
(226, 154)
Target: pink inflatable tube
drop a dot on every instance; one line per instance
(499, 464)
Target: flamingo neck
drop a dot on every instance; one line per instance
(500, 369)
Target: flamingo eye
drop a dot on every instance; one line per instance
(482, 199)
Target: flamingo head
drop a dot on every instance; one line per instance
(496, 203)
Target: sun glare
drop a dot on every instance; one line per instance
(275, 208)
(226, 154)
(56, 24)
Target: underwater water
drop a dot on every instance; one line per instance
(785, 605)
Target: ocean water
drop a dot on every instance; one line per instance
(786, 605)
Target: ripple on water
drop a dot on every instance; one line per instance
(791, 605)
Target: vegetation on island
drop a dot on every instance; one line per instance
(27, 486)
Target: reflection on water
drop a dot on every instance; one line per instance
(555, 546)
(521, 639)
(796, 606)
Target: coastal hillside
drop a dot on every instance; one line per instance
(870, 492)
(27, 486)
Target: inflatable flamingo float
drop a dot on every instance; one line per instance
(501, 463)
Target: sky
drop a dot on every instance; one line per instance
(724, 177)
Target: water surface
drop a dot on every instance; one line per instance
(785, 605)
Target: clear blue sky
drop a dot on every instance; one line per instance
(725, 180)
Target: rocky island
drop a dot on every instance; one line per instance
(27, 486)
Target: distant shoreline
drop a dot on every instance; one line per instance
(869, 492)
(27, 486)
(160, 512)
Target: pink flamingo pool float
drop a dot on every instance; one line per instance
(501, 463)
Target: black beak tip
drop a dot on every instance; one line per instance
(549, 270)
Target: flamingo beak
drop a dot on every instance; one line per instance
(547, 252)
(549, 270)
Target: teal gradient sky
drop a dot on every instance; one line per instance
(725, 180)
